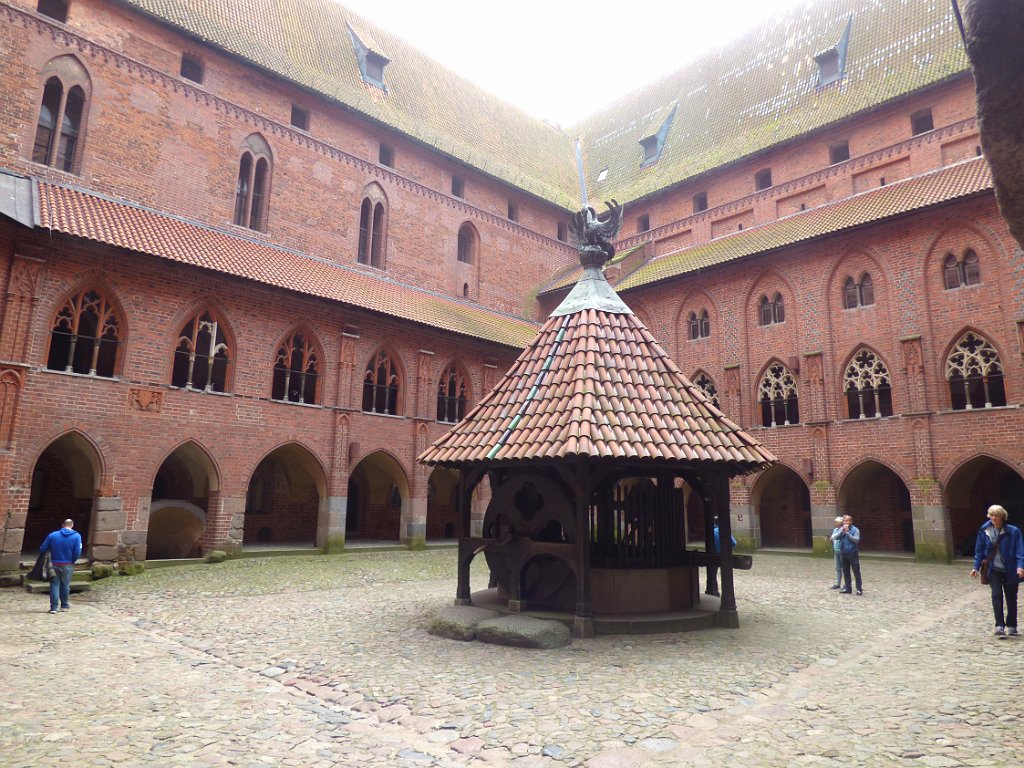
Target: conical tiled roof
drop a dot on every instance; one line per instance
(596, 384)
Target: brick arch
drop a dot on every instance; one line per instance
(375, 192)
(695, 302)
(208, 462)
(257, 144)
(994, 455)
(972, 233)
(882, 508)
(848, 264)
(769, 282)
(959, 334)
(377, 515)
(96, 281)
(315, 462)
(642, 315)
(901, 472)
(93, 453)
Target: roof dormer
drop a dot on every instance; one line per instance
(654, 144)
(370, 58)
(832, 61)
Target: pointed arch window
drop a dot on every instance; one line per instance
(961, 272)
(85, 337)
(868, 386)
(59, 128)
(296, 371)
(380, 385)
(700, 325)
(467, 245)
(706, 385)
(975, 374)
(858, 293)
(771, 311)
(778, 396)
(252, 191)
(451, 396)
(202, 356)
(372, 233)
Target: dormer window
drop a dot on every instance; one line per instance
(191, 68)
(654, 145)
(603, 174)
(369, 57)
(832, 61)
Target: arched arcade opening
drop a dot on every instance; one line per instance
(782, 505)
(180, 504)
(879, 502)
(65, 479)
(285, 499)
(442, 517)
(972, 489)
(377, 492)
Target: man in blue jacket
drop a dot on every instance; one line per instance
(65, 547)
(849, 550)
(1003, 546)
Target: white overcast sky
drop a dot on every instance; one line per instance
(562, 60)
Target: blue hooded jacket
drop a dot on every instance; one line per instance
(64, 546)
(1011, 547)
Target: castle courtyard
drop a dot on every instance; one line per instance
(326, 661)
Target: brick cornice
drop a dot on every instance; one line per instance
(61, 34)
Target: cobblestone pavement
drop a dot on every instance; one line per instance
(325, 662)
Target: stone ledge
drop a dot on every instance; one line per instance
(459, 622)
(523, 632)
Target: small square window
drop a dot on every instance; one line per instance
(839, 152)
(458, 186)
(643, 223)
(700, 202)
(921, 122)
(191, 68)
(386, 155)
(300, 117)
(603, 174)
(763, 179)
(563, 231)
(55, 9)
(513, 211)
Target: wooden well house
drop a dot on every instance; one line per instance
(591, 443)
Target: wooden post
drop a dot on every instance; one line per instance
(583, 622)
(468, 480)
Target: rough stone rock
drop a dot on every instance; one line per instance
(459, 622)
(523, 632)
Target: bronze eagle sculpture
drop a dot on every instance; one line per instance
(594, 232)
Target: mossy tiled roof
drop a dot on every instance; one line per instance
(308, 42)
(958, 181)
(762, 90)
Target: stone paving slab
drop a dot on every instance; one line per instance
(326, 661)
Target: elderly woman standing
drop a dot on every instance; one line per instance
(1002, 545)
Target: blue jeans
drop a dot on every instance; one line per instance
(997, 580)
(839, 567)
(60, 586)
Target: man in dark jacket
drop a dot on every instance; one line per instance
(1003, 546)
(65, 547)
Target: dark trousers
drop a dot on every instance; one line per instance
(851, 560)
(997, 580)
(712, 585)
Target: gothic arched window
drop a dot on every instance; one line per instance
(202, 356)
(296, 371)
(85, 336)
(59, 128)
(467, 245)
(975, 374)
(451, 396)
(778, 396)
(771, 311)
(372, 233)
(700, 325)
(380, 385)
(867, 386)
(706, 385)
(858, 293)
(961, 272)
(252, 192)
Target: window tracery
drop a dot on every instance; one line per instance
(85, 336)
(202, 355)
(778, 397)
(868, 386)
(451, 396)
(296, 371)
(706, 385)
(961, 272)
(380, 385)
(771, 311)
(975, 374)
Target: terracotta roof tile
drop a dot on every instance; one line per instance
(595, 383)
(121, 224)
(964, 179)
